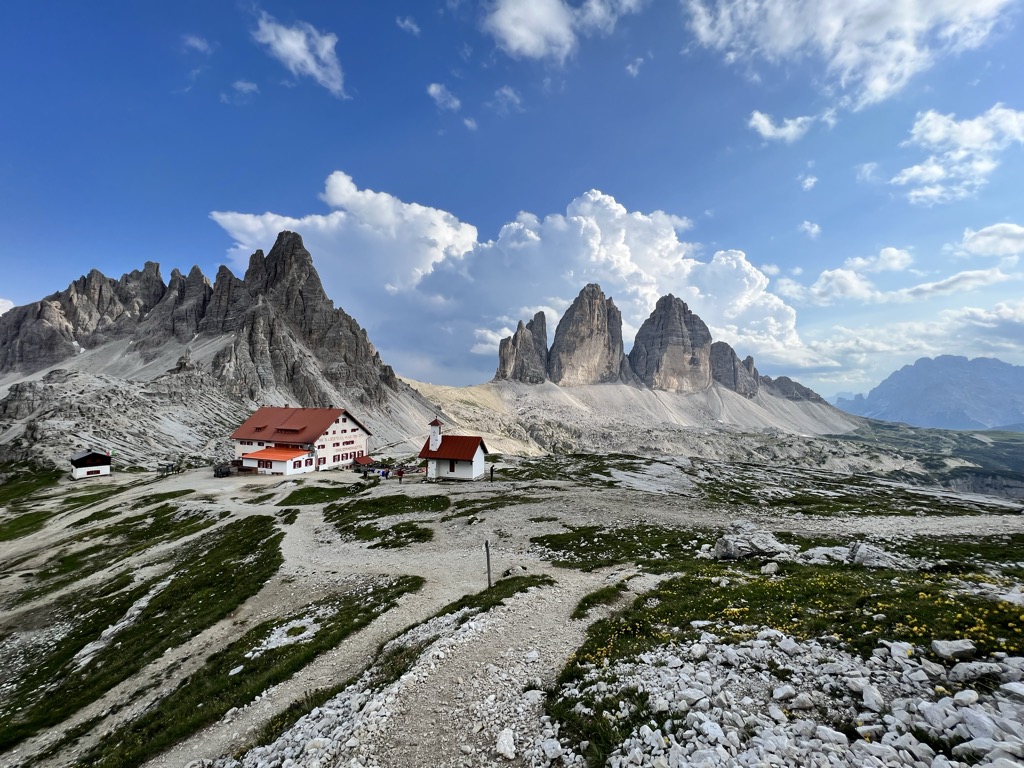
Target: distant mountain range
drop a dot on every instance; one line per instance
(947, 392)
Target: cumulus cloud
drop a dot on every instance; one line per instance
(5, 305)
(807, 182)
(550, 29)
(408, 24)
(789, 130)
(470, 123)
(303, 50)
(431, 293)
(870, 50)
(810, 229)
(444, 98)
(633, 68)
(996, 240)
(963, 153)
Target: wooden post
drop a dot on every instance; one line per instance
(487, 551)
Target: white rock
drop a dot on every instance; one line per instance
(506, 746)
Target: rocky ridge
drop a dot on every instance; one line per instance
(673, 352)
(947, 392)
(272, 337)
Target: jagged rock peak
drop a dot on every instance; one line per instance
(783, 386)
(672, 350)
(587, 348)
(523, 356)
(731, 373)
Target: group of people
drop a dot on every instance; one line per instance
(386, 473)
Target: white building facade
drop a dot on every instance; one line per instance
(292, 441)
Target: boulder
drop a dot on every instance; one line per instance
(954, 650)
(744, 539)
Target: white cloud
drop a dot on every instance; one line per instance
(532, 29)
(770, 269)
(6, 305)
(506, 99)
(887, 260)
(303, 50)
(849, 282)
(871, 50)
(996, 240)
(807, 182)
(963, 153)
(549, 29)
(470, 123)
(633, 68)
(241, 93)
(869, 353)
(369, 237)
(430, 292)
(810, 229)
(444, 98)
(867, 172)
(789, 130)
(196, 43)
(408, 24)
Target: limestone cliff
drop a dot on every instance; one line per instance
(523, 356)
(730, 372)
(587, 348)
(672, 350)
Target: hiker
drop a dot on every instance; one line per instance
(400, 473)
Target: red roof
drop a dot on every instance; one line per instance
(291, 425)
(275, 455)
(363, 460)
(458, 447)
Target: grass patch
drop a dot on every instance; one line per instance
(118, 541)
(247, 667)
(588, 547)
(288, 516)
(23, 523)
(213, 576)
(319, 494)
(584, 468)
(261, 498)
(604, 596)
(355, 519)
(474, 507)
(22, 483)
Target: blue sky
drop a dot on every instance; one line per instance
(834, 187)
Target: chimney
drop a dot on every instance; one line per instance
(435, 434)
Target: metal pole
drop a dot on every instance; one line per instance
(487, 550)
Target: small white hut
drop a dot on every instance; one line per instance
(90, 463)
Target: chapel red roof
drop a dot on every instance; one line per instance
(458, 447)
(291, 425)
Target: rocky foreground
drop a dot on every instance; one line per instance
(767, 700)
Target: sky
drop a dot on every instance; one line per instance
(834, 187)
